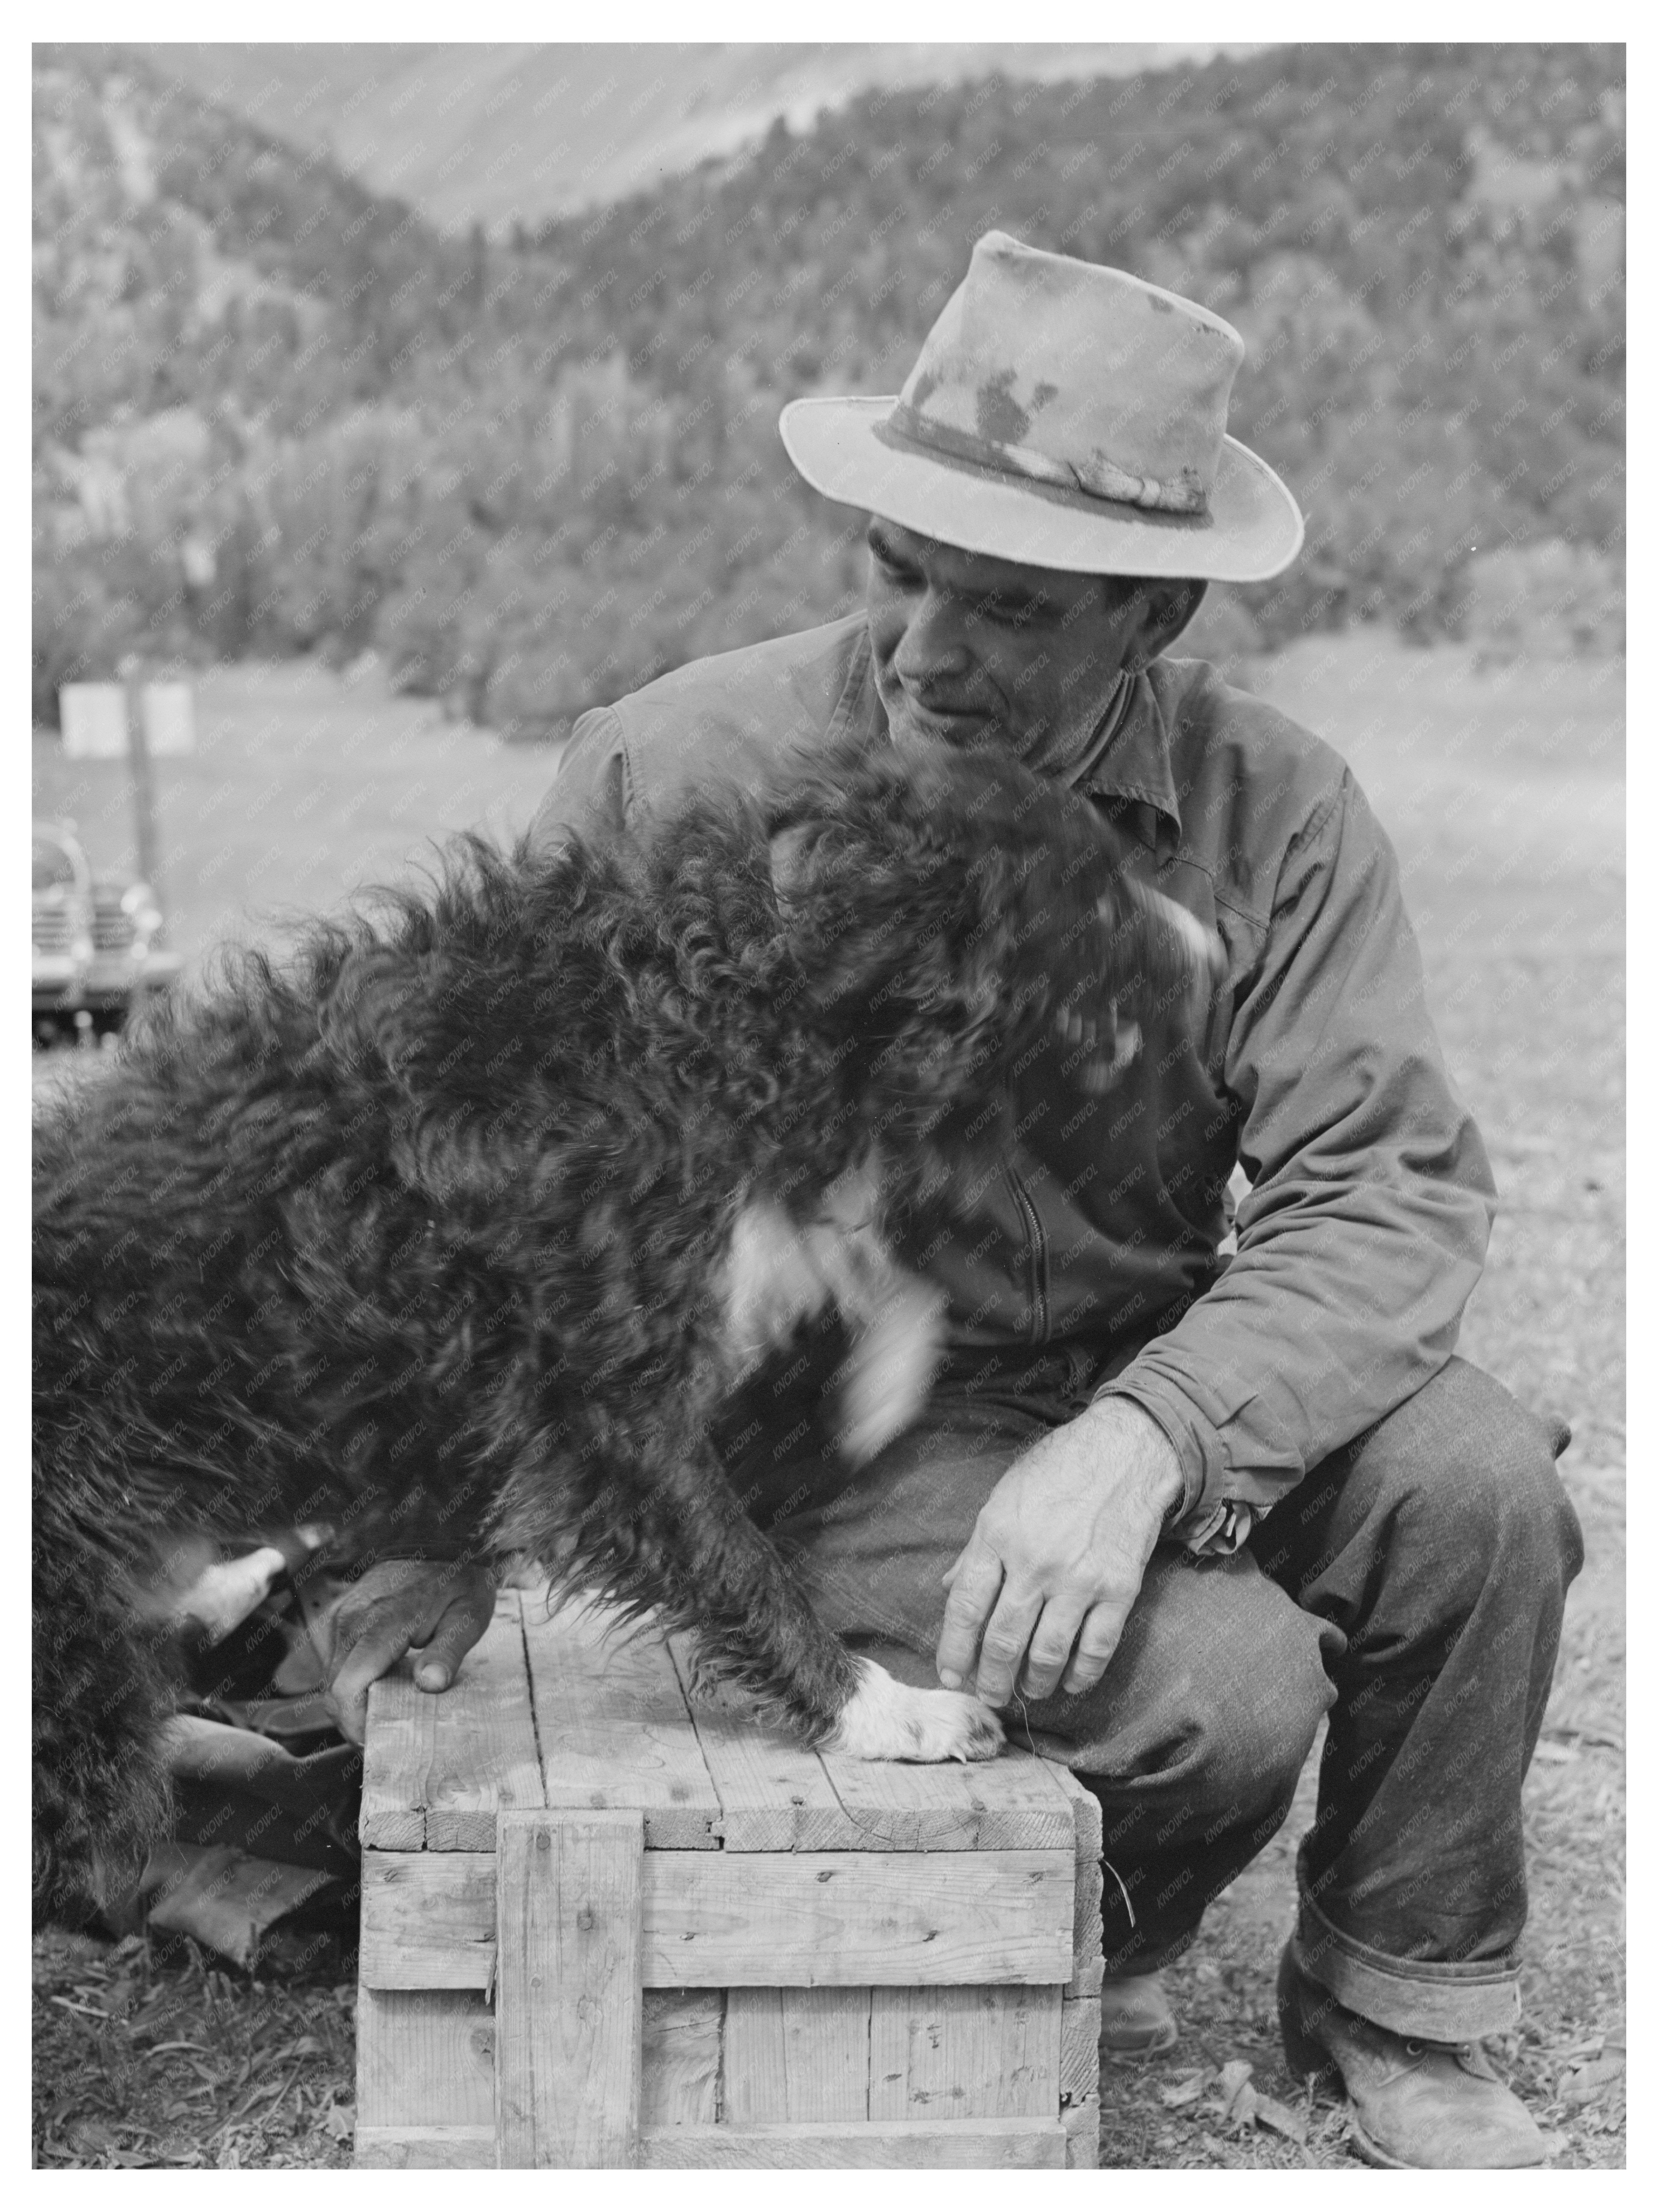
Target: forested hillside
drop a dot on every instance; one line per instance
(507, 132)
(276, 415)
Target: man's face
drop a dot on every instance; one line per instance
(967, 645)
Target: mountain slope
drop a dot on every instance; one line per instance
(278, 414)
(502, 133)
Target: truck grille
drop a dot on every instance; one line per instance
(111, 927)
(51, 929)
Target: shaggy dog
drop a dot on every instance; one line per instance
(472, 1214)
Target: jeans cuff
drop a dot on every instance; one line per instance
(1439, 2000)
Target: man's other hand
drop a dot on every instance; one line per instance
(440, 1609)
(1040, 1594)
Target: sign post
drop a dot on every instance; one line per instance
(143, 789)
(138, 721)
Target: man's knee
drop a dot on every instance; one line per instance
(1264, 1721)
(1218, 1687)
(1467, 1474)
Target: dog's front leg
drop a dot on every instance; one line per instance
(885, 1718)
(755, 1627)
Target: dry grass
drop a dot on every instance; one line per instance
(141, 2061)
(1504, 794)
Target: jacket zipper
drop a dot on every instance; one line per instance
(1038, 1254)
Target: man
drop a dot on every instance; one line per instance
(1184, 1508)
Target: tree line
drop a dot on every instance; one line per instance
(276, 414)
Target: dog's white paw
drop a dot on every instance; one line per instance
(887, 1719)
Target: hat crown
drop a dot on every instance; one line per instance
(1074, 374)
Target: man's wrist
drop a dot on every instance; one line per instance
(1154, 1464)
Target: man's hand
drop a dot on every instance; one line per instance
(402, 1605)
(1046, 1581)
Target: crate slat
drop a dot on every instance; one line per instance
(437, 1768)
(988, 2052)
(411, 2148)
(1088, 1927)
(679, 2071)
(1081, 2123)
(773, 1795)
(963, 2144)
(428, 1920)
(1009, 1804)
(810, 1919)
(797, 2055)
(426, 2058)
(568, 2024)
(614, 1727)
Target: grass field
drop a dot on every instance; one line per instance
(1503, 792)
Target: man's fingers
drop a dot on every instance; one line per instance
(1005, 1641)
(386, 1634)
(440, 1612)
(1050, 1647)
(1101, 1627)
(974, 1584)
(466, 1616)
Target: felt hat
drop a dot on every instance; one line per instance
(1065, 415)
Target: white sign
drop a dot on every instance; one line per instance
(169, 711)
(95, 720)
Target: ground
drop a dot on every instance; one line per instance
(1502, 791)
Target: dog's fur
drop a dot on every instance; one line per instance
(472, 1214)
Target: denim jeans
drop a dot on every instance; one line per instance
(1412, 1587)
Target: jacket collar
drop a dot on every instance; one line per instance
(1131, 765)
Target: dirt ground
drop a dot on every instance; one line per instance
(1503, 792)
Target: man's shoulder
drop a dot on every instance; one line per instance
(741, 713)
(740, 719)
(1249, 779)
(1210, 722)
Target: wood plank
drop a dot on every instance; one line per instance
(1087, 1924)
(425, 2058)
(438, 1768)
(840, 1918)
(412, 2149)
(1007, 2143)
(568, 2016)
(1007, 1804)
(613, 1726)
(1081, 2123)
(773, 1795)
(717, 1920)
(679, 2069)
(1080, 2050)
(963, 2054)
(797, 2055)
(428, 1920)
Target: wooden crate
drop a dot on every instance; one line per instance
(601, 1930)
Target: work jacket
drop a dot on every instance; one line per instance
(1316, 1067)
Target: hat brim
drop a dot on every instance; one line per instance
(1252, 530)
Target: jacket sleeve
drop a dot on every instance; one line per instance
(1366, 1226)
(590, 789)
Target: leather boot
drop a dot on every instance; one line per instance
(1136, 2018)
(1412, 2103)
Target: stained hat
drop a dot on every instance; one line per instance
(1065, 415)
